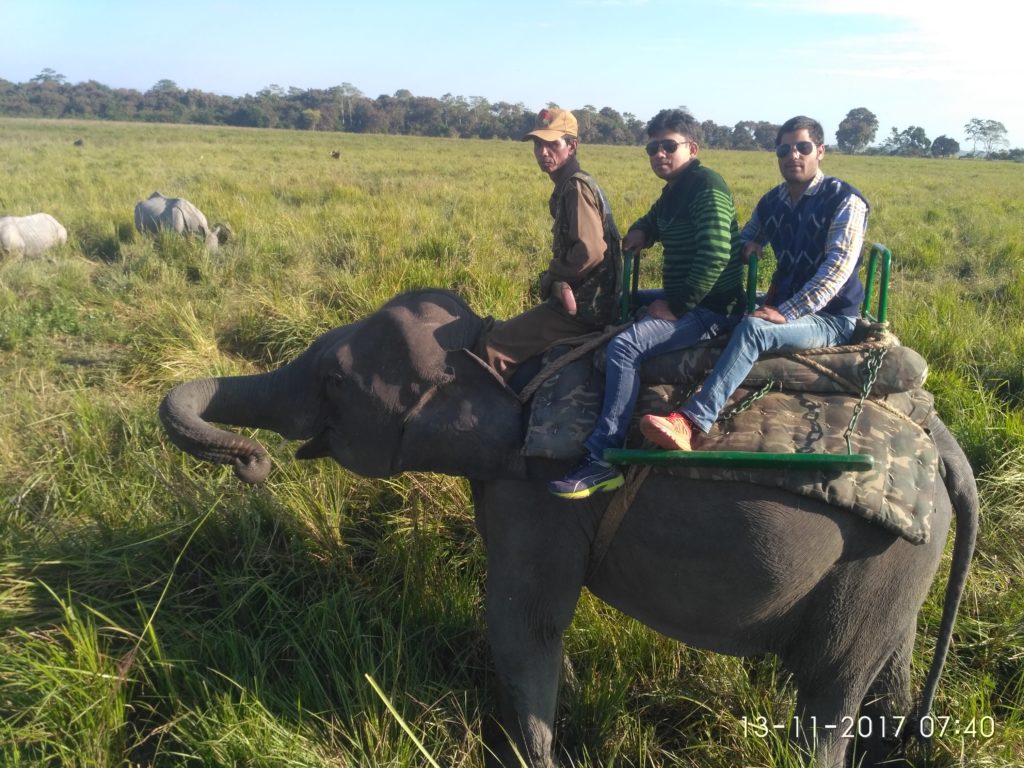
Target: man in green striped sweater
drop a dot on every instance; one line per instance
(702, 287)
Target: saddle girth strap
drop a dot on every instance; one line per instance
(613, 515)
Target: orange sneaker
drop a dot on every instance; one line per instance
(670, 432)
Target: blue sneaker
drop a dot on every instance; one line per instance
(591, 476)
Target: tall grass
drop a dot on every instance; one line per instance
(154, 612)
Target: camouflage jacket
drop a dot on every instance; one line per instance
(597, 292)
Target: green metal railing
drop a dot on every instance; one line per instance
(883, 286)
(877, 251)
(630, 283)
(849, 462)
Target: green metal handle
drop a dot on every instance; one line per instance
(883, 287)
(752, 282)
(630, 283)
(854, 462)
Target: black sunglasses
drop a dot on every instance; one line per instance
(669, 145)
(803, 147)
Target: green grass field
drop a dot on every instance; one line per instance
(155, 612)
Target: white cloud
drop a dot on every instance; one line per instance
(935, 57)
(951, 41)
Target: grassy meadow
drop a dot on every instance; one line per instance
(156, 612)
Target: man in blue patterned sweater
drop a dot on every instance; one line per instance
(815, 225)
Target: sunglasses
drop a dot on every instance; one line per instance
(803, 147)
(669, 145)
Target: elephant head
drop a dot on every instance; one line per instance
(398, 390)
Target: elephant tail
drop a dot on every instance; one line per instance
(963, 495)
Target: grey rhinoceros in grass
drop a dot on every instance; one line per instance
(176, 214)
(30, 235)
(730, 567)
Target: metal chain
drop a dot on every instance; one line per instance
(746, 403)
(873, 364)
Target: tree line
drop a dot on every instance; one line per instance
(345, 108)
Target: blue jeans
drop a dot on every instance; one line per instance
(646, 338)
(751, 338)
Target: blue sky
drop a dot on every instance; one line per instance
(931, 63)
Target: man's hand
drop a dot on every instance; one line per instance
(771, 314)
(635, 240)
(660, 309)
(750, 247)
(563, 291)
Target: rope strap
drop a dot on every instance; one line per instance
(583, 345)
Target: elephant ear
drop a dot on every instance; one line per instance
(469, 425)
(401, 392)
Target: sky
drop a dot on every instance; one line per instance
(930, 63)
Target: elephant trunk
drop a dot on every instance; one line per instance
(264, 400)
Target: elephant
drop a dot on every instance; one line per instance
(30, 235)
(729, 567)
(176, 214)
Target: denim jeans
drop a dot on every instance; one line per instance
(646, 338)
(751, 338)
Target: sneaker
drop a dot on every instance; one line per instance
(591, 476)
(670, 432)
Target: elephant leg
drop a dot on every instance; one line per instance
(525, 627)
(882, 722)
(534, 578)
(832, 699)
(824, 715)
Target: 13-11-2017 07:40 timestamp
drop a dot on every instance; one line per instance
(864, 727)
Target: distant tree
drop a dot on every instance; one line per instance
(425, 116)
(272, 91)
(366, 118)
(911, 141)
(346, 93)
(990, 133)
(716, 136)
(344, 108)
(742, 136)
(484, 123)
(765, 133)
(637, 128)
(611, 128)
(310, 119)
(47, 97)
(945, 147)
(49, 76)
(249, 113)
(857, 130)
(1016, 155)
(586, 117)
(165, 86)
(512, 121)
(163, 103)
(92, 99)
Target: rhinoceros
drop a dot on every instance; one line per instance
(177, 215)
(30, 235)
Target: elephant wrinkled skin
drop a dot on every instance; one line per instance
(729, 567)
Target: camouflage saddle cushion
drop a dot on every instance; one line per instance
(788, 404)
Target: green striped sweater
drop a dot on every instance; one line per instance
(695, 221)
